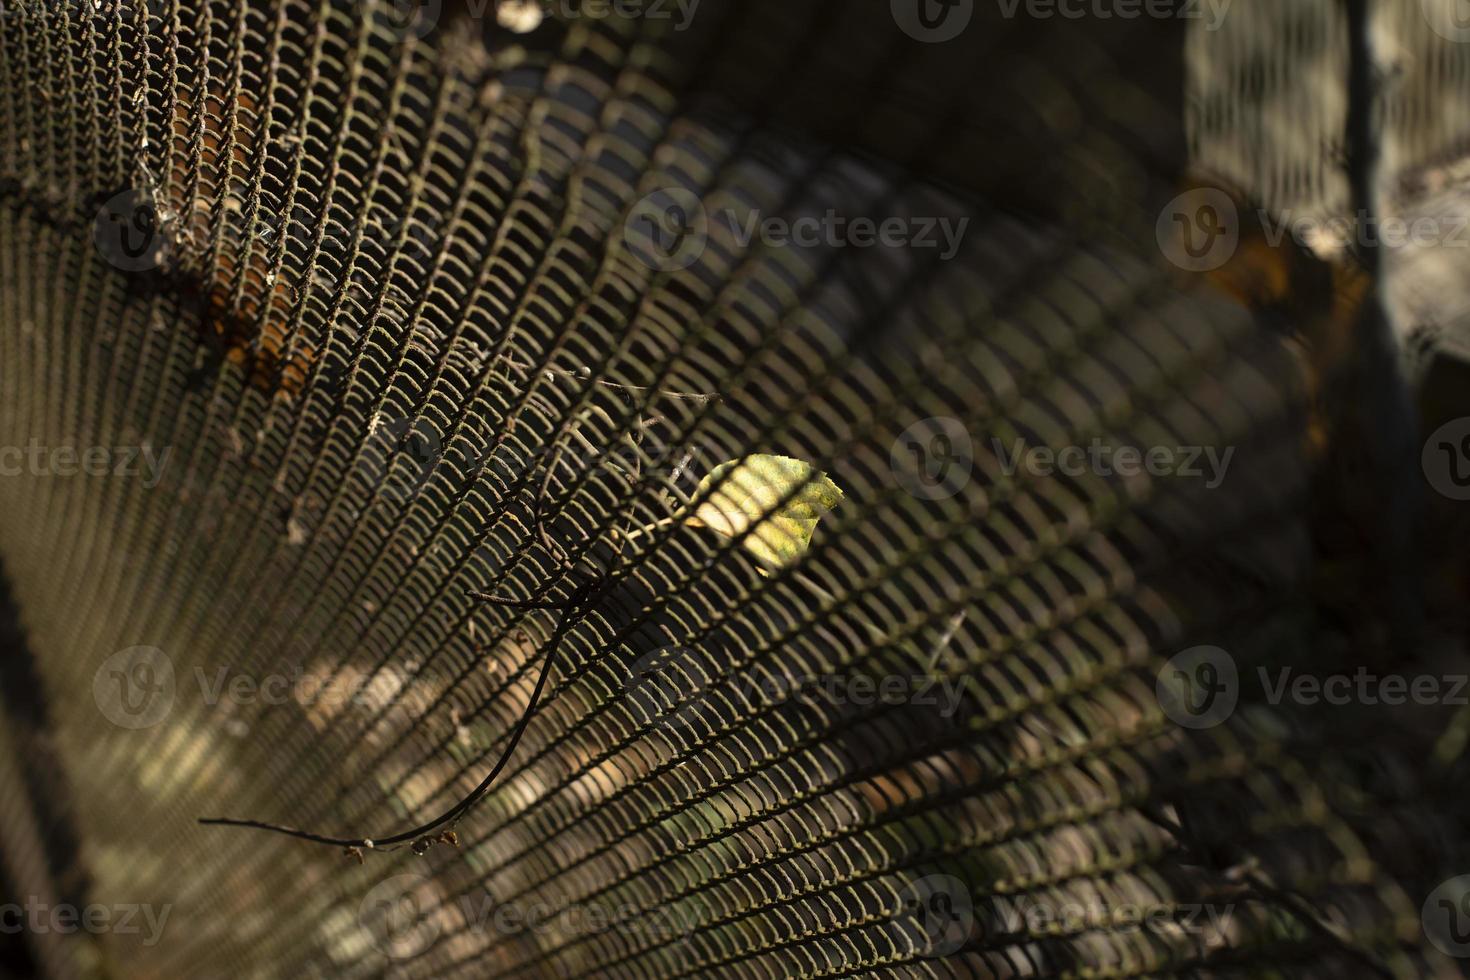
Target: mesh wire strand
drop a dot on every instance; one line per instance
(401, 346)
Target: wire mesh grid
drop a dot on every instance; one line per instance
(409, 325)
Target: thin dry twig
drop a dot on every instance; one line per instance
(419, 835)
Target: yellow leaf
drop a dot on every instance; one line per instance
(750, 497)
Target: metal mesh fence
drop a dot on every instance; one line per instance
(315, 316)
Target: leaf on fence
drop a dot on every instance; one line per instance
(753, 495)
